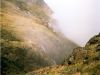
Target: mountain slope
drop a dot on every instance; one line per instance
(27, 41)
(83, 61)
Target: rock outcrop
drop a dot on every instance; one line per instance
(89, 53)
(87, 57)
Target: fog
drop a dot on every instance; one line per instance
(79, 20)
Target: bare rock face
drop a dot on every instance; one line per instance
(27, 41)
(89, 53)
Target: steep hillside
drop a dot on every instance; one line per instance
(83, 61)
(27, 41)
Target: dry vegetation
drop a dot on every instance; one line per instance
(83, 61)
(27, 41)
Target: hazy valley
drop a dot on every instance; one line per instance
(31, 46)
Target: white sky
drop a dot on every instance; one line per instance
(79, 20)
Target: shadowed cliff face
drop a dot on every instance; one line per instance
(27, 41)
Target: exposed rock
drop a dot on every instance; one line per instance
(89, 53)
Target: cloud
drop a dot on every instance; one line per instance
(79, 20)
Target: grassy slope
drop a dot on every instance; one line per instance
(26, 41)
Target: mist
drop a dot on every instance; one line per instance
(78, 20)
